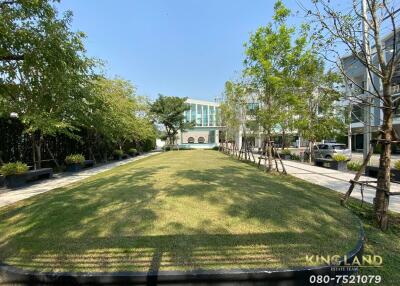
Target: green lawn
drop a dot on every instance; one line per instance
(177, 210)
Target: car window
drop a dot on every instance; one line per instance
(339, 147)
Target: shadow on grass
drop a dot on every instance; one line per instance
(151, 253)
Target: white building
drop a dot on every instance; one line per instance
(206, 117)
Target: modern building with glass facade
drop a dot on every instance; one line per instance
(206, 117)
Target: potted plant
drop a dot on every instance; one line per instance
(74, 162)
(341, 162)
(118, 154)
(133, 152)
(14, 174)
(286, 154)
(354, 166)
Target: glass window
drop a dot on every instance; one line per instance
(193, 112)
(212, 116)
(217, 119)
(190, 140)
(356, 114)
(187, 114)
(211, 136)
(339, 147)
(205, 115)
(252, 108)
(201, 140)
(198, 115)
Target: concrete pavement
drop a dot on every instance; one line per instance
(8, 197)
(337, 181)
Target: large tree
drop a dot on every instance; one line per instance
(169, 111)
(275, 55)
(44, 72)
(359, 30)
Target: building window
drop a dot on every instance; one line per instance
(357, 114)
(187, 114)
(211, 136)
(217, 117)
(192, 112)
(190, 140)
(205, 115)
(212, 116)
(198, 115)
(201, 140)
(252, 108)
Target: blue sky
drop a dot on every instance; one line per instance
(175, 47)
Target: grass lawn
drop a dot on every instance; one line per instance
(179, 210)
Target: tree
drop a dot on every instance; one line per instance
(319, 114)
(117, 115)
(358, 31)
(274, 57)
(169, 111)
(234, 111)
(43, 68)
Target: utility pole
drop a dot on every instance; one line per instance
(367, 79)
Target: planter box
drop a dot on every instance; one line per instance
(331, 164)
(89, 163)
(16, 181)
(340, 166)
(372, 171)
(2, 180)
(74, 167)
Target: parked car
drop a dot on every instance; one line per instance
(328, 150)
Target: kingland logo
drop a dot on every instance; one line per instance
(364, 261)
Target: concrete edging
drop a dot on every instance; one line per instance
(295, 276)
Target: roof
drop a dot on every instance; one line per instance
(203, 102)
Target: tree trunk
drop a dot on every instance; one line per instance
(38, 149)
(269, 153)
(381, 201)
(283, 139)
(311, 151)
(33, 152)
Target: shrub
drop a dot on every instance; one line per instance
(16, 168)
(74, 159)
(354, 165)
(216, 148)
(286, 152)
(118, 152)
(149, 144)
(397, 165)
(296, 157)
(132, 151)
(340, 158)
(166, 148)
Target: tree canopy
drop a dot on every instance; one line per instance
(169, 111)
